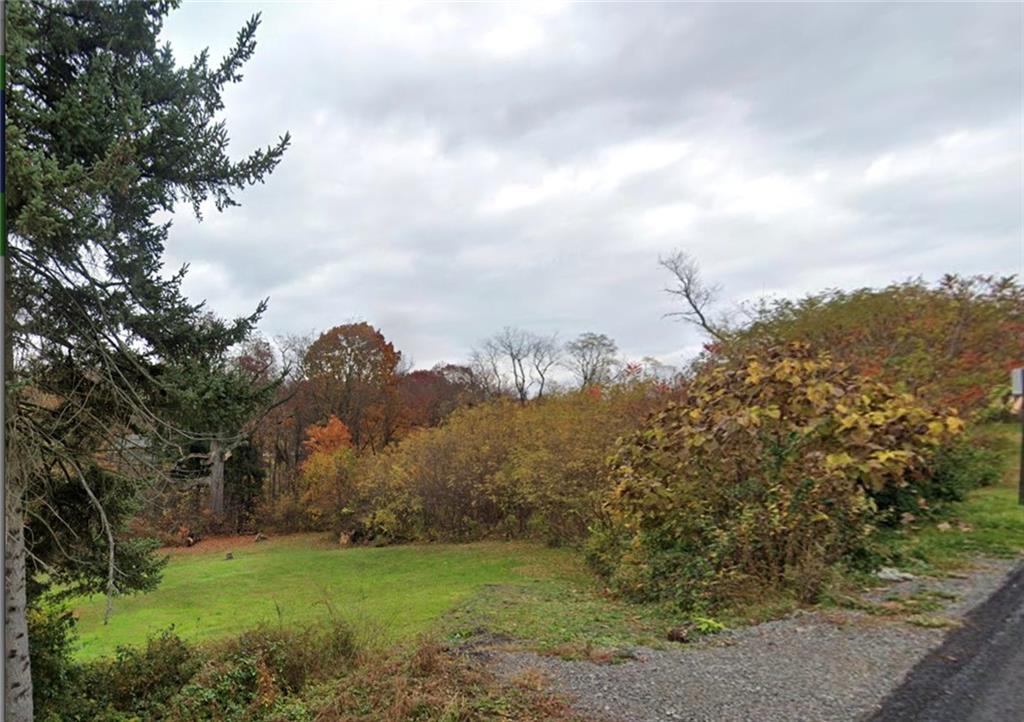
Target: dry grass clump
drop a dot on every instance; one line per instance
(432, 683)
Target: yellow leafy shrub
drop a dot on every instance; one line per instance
(769, 470)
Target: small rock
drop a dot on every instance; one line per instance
(943, 526)
(891, 574)
(229, 555)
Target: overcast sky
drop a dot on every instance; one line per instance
(458, 168)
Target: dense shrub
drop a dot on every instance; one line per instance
(257, 676)
(137, 684)
(770, 470)
(141, 681)
(271, 674)
(951, 343)
(448, 482)
(960, 467)
(285, 514)
(328, 488)
(502, 468)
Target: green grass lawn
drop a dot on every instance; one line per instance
(515, 589)
(389, 592)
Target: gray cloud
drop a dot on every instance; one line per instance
(458, 168)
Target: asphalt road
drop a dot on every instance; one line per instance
(977, 674)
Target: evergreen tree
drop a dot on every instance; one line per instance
(104, 132)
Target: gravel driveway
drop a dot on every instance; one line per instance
(810, 666)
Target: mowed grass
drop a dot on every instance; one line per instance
(391, 592)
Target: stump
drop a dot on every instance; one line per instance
(680, 634)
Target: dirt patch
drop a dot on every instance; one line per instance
(213, 544)
(233, 542)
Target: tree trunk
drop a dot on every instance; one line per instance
(216, 478)
(17, 665)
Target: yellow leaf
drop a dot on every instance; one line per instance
(838, 461)
(954, 424)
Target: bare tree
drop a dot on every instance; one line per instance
(515, 345)
(545, 352)
(292, 348)
(591, 358)
(486, 365)
(691, 290)
(515, 361)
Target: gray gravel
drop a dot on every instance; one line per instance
(810, 666)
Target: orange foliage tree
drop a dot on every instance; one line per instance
(353, 370)
(327, 438)
(328, 473)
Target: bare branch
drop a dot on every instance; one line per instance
(691, 290)
(109, 531)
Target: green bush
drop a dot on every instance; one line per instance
(959, 468)
(51, 633)
(260, 675)
(772, 469)
(139, 682)
(257, 675)
(955, 469)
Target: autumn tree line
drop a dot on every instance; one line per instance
(514, 442)
(350, 386)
